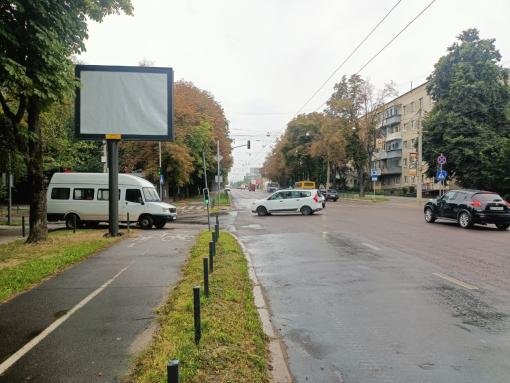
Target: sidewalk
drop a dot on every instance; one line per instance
(87, 323)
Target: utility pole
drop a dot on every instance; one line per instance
(9, 190)
(205, 182)
(218, 172)
(418, 165)
(160, 174)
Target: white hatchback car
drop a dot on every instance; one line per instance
(305, 202)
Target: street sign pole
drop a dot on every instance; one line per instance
(205, 182)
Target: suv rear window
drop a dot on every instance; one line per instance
(487, 197)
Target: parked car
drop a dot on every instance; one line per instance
(469, 207)
(252, 187)
(305, 202)
(82, 198)
(330, 194)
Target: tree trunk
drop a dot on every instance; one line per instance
(361, 182)
(328, 174)
(37, 193)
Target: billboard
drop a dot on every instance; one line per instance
(133, 102)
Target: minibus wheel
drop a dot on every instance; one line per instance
(146, 222)
(71, 219)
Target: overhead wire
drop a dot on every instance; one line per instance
(348, 57)
(387, 44)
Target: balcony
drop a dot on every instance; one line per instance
(394, 136)
(395, 119)
(383, 154)
(391, 170)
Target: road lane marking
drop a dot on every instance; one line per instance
(371, 246)
(52, 327)
(131, 244)
(456, 281)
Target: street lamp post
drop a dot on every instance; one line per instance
(419, 164)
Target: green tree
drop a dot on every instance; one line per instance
(37, 40)
(469, 121)
(354, 103)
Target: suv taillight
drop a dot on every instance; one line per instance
(316, 198)
(475, 203)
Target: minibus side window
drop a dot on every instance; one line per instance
(60, 193)
(102, 194)
(134, 195)
(83, 194)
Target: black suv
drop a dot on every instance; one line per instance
(468, 207)
(330, 194)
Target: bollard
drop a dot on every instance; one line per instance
(196, 313)
(217, 231)
(217, 220)
(22, 225)
(213, 234)
(206, 277)
(128, 223)
(74, 223)
(172, 371)
(212, 253)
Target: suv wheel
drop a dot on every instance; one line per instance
(465, 220)
(160, 223)
(146, 222)
(502, 226)
(306, 210)
(430, 217)
(261, 211)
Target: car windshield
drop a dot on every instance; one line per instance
(332, 190)
(150, 195)
(488, 197)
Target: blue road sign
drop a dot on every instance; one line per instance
(161, 179)
(374, 172)
(374, 178)
(441, 175)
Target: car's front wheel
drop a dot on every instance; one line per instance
(146, 222)
(159, 224)
(261, 211)
(465, 220)
(502, 226)
(430, 217)
(72, 221)
(306, 210)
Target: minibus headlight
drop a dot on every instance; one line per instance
(166, 210)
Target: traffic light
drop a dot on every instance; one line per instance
(248, 145)
(206, 196)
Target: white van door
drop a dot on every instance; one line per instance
(133, 204)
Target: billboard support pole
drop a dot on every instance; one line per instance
(113, 186)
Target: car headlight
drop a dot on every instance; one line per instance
(166, 210)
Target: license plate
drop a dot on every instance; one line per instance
(496, 208)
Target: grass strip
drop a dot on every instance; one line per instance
(23, 265)
(233, 345)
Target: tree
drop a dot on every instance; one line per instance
(354, 103)
(37, 40)
(469, 121)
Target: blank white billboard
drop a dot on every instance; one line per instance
(135, 102)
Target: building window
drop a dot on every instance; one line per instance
(421, 103)
(413, 125)
(405, 179)
(405, 162)
(412, 107)
(404, 109)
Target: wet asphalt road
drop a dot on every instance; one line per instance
(363, 292)
(95, 343)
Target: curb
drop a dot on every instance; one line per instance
(278, 364)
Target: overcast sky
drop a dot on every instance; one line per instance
(263, 59)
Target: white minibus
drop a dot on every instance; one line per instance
(83, 198)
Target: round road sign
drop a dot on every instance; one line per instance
(441, 159)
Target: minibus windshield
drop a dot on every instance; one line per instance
(150, 195)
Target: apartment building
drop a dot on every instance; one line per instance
(396, 154)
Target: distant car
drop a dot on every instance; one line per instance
(330, 194)
(305, 202)
(252, 187)
(469, 207)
